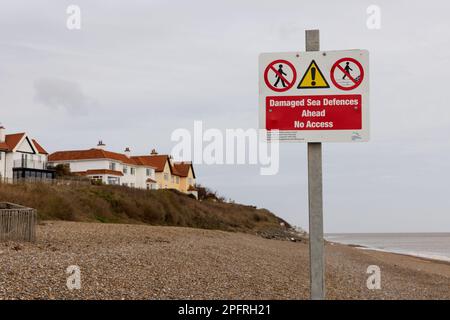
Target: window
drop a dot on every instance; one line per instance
(173, 180)
(125, 169)
(149, 172)
(132, 185)
(132, 171)
(113, 180)
(190, 180)
(112, 166)
(178, 179)
(166, 176)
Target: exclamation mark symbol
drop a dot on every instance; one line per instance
(313, 76)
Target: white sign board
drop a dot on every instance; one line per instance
(315, 96)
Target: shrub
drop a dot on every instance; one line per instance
(119, 204)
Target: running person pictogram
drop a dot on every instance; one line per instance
(279, 76)
(347, 73)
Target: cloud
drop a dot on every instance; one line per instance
(62, 94)
(154, 69)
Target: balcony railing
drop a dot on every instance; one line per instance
(30, 164)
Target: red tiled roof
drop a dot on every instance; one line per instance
(12, 140)
(99, 171)
(182, 169)
(90, 154)
(4, 146)
(156, 161)
(39, 147)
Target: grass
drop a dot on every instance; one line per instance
(115, 204)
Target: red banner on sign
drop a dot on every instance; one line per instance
(327, 112)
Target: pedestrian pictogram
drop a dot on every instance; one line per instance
(280, 75)
(347, 70)
(313, 78)
(347, 74)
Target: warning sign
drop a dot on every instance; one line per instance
(313, 78)
(291, 110)
(280, 75)
(347, 73)
(330, 112)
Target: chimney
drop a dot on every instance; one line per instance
(101, 145)
(2, 133)
(127, 152)
(153, 153)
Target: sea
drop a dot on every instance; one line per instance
(426, 245)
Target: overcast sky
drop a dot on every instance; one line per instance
(137, 70)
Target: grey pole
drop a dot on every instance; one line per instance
(316, 243)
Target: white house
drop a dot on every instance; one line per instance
(22, 158)
(107, 167)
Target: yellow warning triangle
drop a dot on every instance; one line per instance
(313, 78)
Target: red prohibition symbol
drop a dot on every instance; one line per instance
(282, 83)
(354, 82)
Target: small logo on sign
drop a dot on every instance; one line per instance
(356, 136)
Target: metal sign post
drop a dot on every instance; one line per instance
(314, 97)
(316, 245)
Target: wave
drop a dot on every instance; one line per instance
(424, 255)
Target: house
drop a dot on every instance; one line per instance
(170, 174)
(152, 171)
(184, 176)
(107, 167)
(163, 169)
(22, 158)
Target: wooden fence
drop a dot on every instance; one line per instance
(17, 223)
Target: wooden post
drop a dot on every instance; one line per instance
(316, 243)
